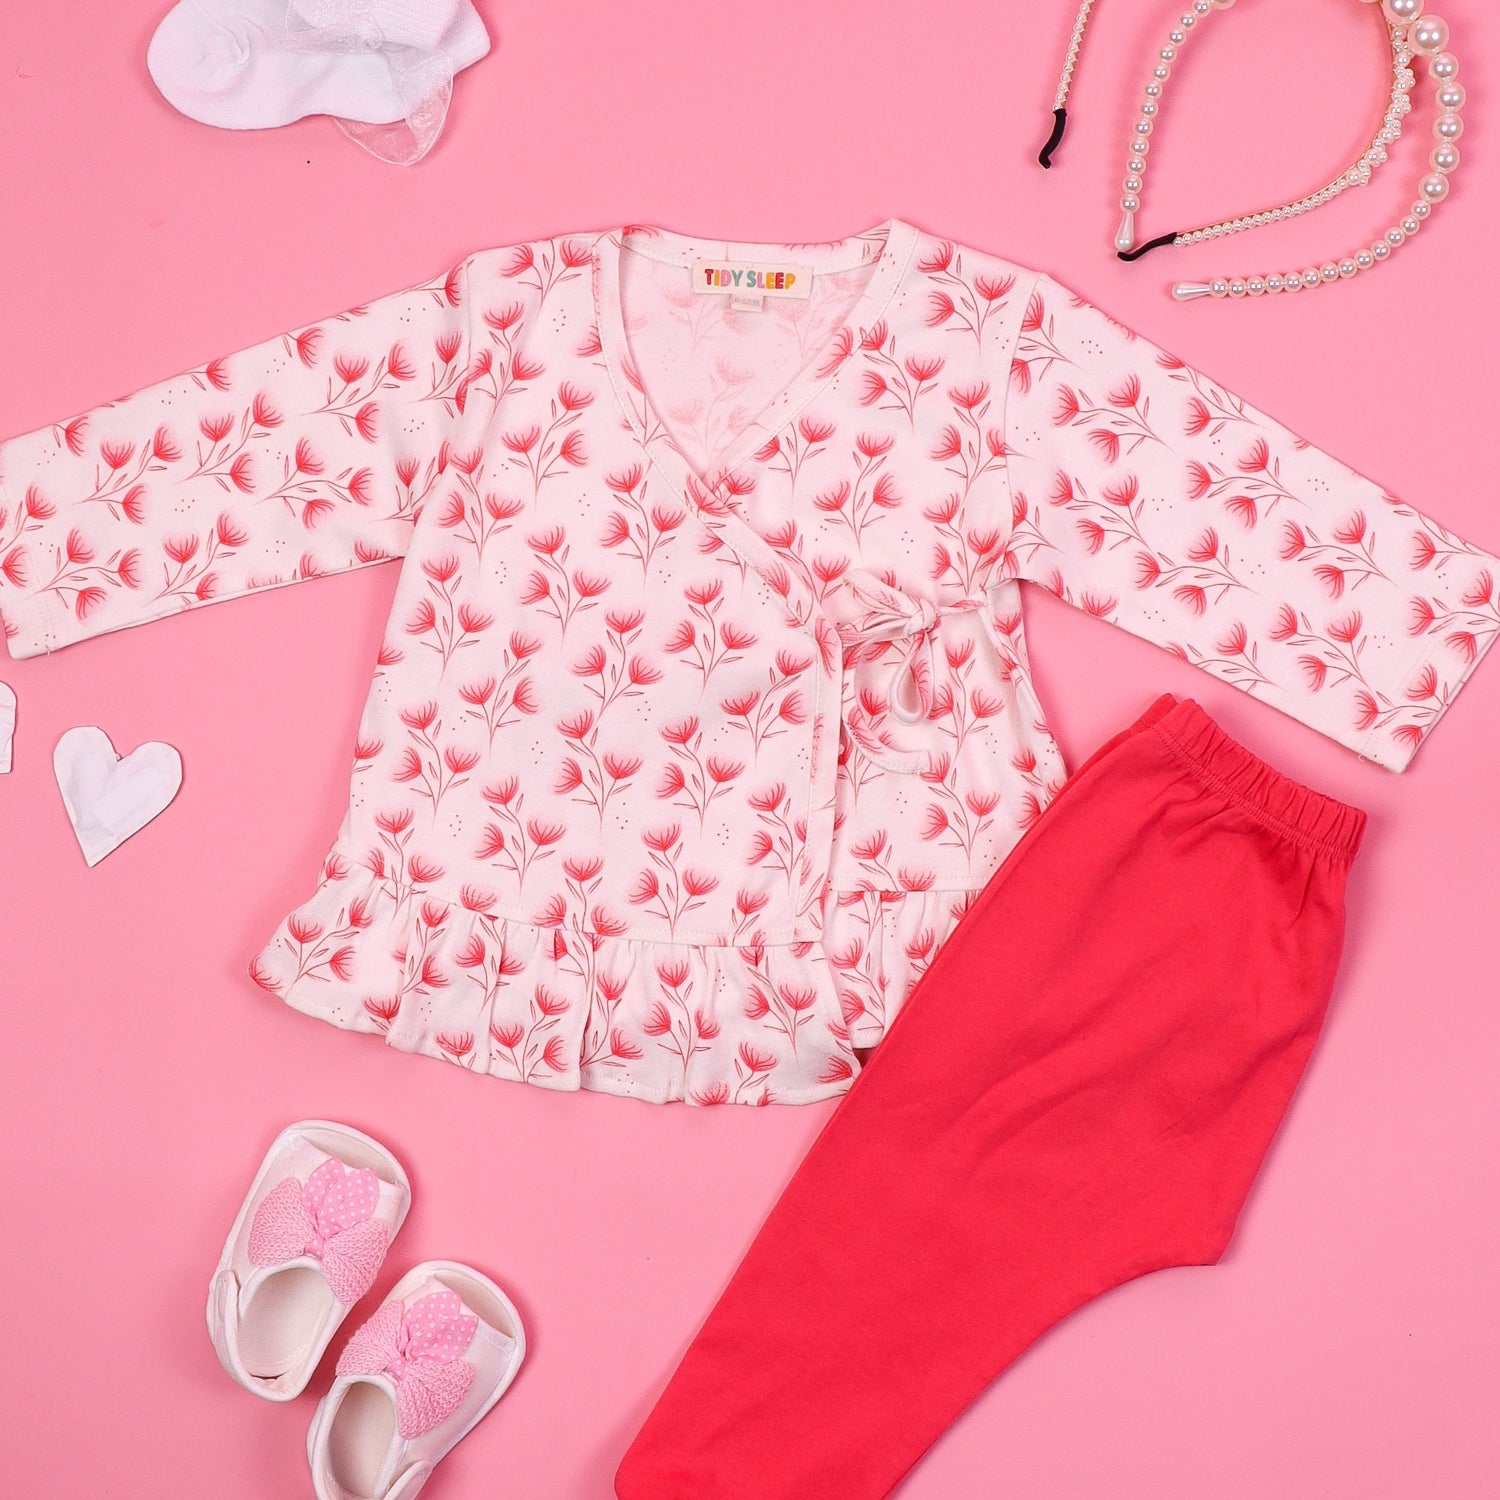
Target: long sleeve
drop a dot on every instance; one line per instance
(1147, 495)
(305, 455)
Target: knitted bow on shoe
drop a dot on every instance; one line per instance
(330, 1218)
(419, 1349)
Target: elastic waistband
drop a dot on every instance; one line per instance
(1296, 811)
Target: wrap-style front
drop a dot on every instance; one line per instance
(704, 709)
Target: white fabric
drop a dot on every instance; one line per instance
(7, 725)
(109, 797)
(382, 68)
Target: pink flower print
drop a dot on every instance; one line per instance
(356, 382)
(705, 640)
(766, 714)
(533, 1048)
(693, 779)
(1347, 560)
(504, 698)
(511, 840)
(776, 844)
(545, 451)
(79, 577)
(1205, 576)
(893, 384)
(639, 528)
(807, 438)
(553, 587)
(1119, 426)
(676, 1024)
(752, 1065)
(440, 622)
(664, 886)
(547, 266)
(1037, 349)
(956, 302)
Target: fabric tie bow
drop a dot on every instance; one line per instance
(420, 1349)
(891, 615)
(330, 1218)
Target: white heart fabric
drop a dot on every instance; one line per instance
(110, 797)
(383, 69)
(7, 725)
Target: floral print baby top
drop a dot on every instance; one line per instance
(704, 708)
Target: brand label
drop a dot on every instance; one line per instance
(742, 278)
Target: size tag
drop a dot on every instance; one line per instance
(747, 302)
(733, 278)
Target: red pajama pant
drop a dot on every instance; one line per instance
(1080, 1091)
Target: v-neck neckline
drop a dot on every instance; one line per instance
(712, 494)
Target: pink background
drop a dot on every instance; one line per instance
(1347, 1345)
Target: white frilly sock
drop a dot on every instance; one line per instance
(253, 64)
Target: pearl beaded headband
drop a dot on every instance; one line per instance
(1413, 34)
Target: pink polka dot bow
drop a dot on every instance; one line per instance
(330, 1218)
(420, 1349)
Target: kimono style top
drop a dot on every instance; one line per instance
(704, 707)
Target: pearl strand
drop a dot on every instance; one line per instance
(1140, 144)
(1427, 37)
(1070, 62)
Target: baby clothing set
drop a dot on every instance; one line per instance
(703, 721)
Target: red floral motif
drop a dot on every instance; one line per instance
(633, 804)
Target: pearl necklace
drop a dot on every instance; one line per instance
(1412, 35)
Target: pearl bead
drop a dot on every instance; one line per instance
(1134, 184)
(1402, 12)
(1395, 237)
(1329, 271)
(1430, 35)
(1444, 159)
(1256, 286)
(1422, 208)
(1444, 67)
(1380, 250)
(1364, 260)
(1177, 36)
(1148, 110)
(1202, 7)
(1410, 225)
(1237, 287)
(1168, 54)
(1161, 72)
(1434, 187)
(1347, 268)
(1451, 97)
(1153, 90)
(1222, 4)
(1293, 281)
(1143, 127)
(1311, 279)
(1137, 164)
(1218, 287)
(1275, 282)
(1130, 203)
(1448, 127)
(1187, 21)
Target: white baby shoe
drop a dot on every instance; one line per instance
(439, 1352)
(307, 1245)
